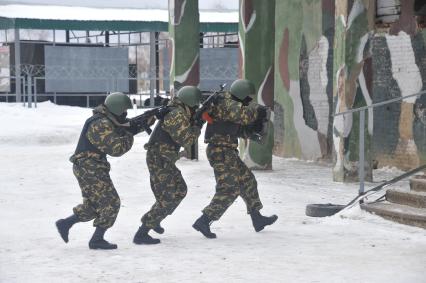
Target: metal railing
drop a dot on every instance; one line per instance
(361, 173)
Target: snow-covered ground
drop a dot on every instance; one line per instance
(37, 187)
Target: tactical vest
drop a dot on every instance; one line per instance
(160, 135)
(223, 128)
(83, 143)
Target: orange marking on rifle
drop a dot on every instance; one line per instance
(206, 117)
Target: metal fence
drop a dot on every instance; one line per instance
(34, 78)
(33, 82)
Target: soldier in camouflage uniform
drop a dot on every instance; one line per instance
(105, 133)
(230, 112)
(176, 129)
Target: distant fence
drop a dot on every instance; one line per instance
(39, 82)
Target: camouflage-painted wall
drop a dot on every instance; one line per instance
(304, 33)
(329, 58)
(256, 35)
(399, 65)
(354, 26)
(184, 34)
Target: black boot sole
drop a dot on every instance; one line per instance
(62, 233)
(103, 248)
(260, 228)
(206, 234)
(143, 242)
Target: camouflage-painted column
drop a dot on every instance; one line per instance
(354, 23)
(184, 33)
(303, 78)
(256, 35)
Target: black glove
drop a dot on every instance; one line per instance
(122, 131)
(121, 118)
(162, 112)
(134, 128)
(165, 101)
(261, 112)
(199, 123)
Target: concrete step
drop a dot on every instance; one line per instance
(418, 183)
(398, 213)
(410, 198)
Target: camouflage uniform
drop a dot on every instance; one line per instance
(167, 183)
(100, 136)
(233, 177)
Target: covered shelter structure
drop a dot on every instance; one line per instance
(50, 17)
(41, 60)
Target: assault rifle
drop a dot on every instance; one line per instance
(205, 105)
(144, 121)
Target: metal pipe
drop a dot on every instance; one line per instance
(107, 38)
(23, 90)
(18, 90)
(137, 73)
(35, 92)
(151, 67)
(379, 103)
(157, 63)
(29, 91)
(361, 152)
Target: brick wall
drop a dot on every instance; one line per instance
(399, 69)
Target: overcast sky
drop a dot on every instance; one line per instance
(159, 4)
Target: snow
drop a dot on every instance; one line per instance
(37, 187)
(52, 12)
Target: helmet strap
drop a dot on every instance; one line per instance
(244, 101)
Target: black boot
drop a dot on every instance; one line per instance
(98, 242)
(64, 226)
(260, 221)
(158, 229)
(202, 225)
(142, 238)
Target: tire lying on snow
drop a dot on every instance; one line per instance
(323, 210)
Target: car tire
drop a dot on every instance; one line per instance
(323, 210)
